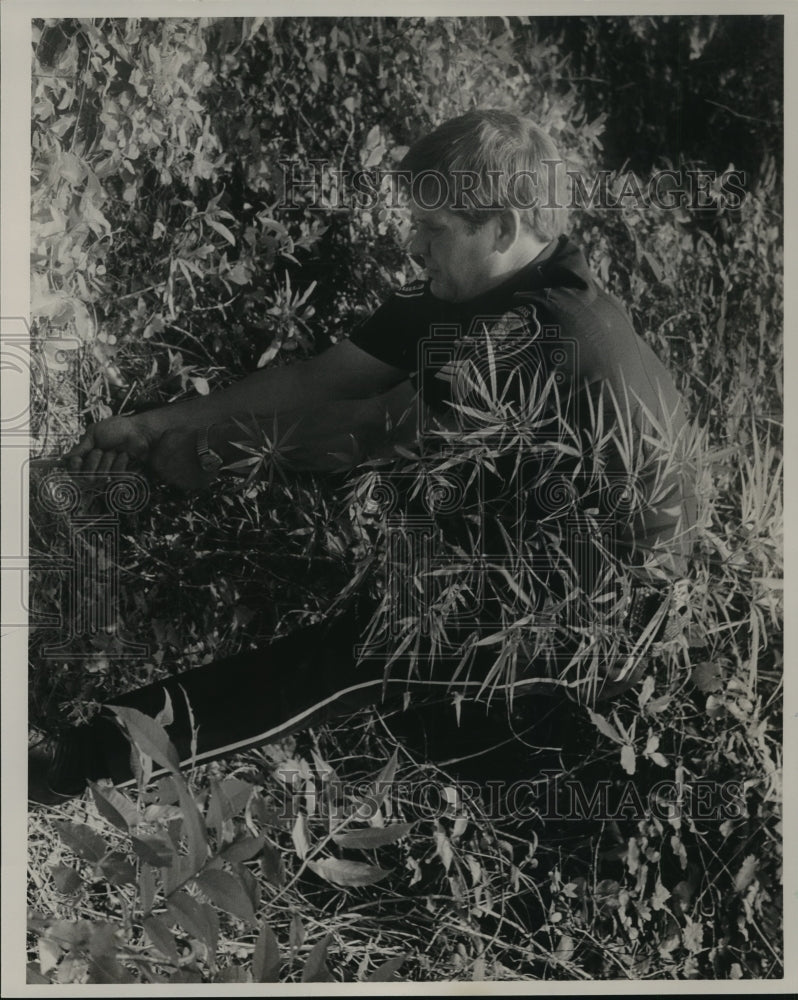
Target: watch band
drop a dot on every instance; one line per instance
(209, 460)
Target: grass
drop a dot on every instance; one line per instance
(476, 889)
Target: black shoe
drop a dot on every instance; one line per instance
(46, 765)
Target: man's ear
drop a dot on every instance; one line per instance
(508, 229)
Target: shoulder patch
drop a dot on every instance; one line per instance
(520, 321)
(412, 290)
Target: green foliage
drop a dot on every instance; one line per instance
(163, 257)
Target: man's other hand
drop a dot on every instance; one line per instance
(174, 461)
(109, 446)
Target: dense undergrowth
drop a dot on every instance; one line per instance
(165, 265)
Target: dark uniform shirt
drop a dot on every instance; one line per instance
(549, 322)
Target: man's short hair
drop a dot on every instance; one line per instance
(486, 161)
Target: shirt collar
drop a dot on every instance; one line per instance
(558, 260)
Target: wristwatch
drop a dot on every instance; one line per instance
(209, 460)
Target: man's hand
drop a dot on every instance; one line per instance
(108, 446)
(174, 461)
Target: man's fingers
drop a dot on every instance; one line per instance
(120, 462)
(106, 463)
(83, 447)
(92, 461)
(75, 456)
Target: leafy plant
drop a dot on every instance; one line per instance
(165, 266)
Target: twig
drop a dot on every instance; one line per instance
(739, 114)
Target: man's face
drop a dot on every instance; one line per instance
(460, 263)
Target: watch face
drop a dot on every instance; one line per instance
(210, 461)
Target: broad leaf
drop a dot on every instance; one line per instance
(34, 978)
(66, 879)
(387, 971)
(249, 882)
(379, 790)
(315, 970)
(198, 920)
(707, 677)
(296, 932)
(150, 737)
(222, 230)
(146, 887)
(747, 873)
(233, 974)
(604, 727)
(645, 691)
(227, 892)
(628, 760)
(347, 873)
(104, 969)
(300, 836)
(163, 939)
(112, 805)
(266, 958)
(272, 866)
(156, 851)
(81, 839)
(373, 836)
(117, 869)
(244, 849)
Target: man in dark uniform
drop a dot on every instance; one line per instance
(502, 281)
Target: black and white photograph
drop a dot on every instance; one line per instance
(393, 552)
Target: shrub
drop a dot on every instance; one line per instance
(163, 257)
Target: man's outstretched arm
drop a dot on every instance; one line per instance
(331, 437)
(343, 372)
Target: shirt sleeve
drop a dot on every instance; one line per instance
(392, 333)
